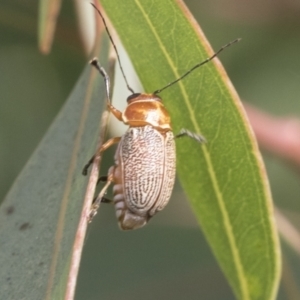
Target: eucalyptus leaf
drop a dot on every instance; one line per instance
(39, 217)
(224, 179)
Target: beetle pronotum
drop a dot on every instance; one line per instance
(145, 160)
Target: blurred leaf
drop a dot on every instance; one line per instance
(48, 12)
(224, 179)
(39, 217)
(86, 24)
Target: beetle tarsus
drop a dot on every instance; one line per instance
(100, 198)
(86, 167)
(106, 200)
(95, 207)
(102, 179)
(92, 214)
(184, 132)
(95, 63)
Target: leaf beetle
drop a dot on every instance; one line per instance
(145, 160)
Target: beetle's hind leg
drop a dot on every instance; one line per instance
(184, 132)
(104, 199)
(102, 179)
(100, 198)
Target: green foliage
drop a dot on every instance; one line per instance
(224, 179)
(40, 213)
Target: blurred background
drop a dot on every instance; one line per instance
(169, 258)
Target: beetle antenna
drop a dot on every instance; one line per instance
(197, 66)
(112, 41)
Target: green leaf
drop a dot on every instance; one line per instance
(224, 179)
(39, 217)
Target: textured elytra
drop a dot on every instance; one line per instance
(169, 173)
(147, 159)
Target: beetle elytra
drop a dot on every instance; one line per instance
(145, 161)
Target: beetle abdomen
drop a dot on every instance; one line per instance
(146, 159)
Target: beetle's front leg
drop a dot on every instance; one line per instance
(184, 132)
(94, 62)
(115, 112)
(101, 149)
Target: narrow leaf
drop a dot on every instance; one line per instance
(225, 178)
(39, 217)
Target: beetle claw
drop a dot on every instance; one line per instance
(86, 167)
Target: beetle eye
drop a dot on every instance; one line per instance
(133, 96)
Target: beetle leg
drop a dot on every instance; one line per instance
(95, 63)
(102, 179)
(103, 200)
(105, 146)
(98, 200)
(106, 200)
(115, 112)
(184, 132)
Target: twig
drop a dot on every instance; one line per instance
(88, 199)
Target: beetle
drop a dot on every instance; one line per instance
(145, 160)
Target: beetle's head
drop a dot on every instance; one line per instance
(142, 97)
